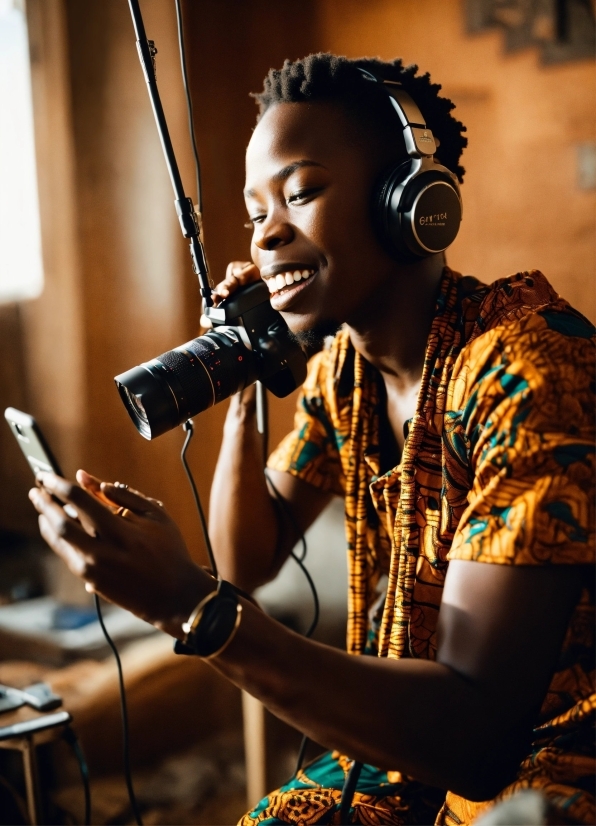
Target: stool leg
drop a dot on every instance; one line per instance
(253, 713)
(32, 782)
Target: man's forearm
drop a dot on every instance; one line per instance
(415, 716)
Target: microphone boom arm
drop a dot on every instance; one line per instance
(190, 222)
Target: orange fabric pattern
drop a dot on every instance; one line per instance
(498, 467)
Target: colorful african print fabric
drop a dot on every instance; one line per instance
(497, 467)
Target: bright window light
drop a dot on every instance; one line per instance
(21, 271)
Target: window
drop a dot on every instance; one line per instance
(21, 271)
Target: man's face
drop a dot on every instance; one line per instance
(309, 181)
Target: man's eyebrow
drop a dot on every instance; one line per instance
(284, 174)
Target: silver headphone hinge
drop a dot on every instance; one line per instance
(420, 142)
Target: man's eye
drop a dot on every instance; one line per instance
(256, 219)
(303, 195)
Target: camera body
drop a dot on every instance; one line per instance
(249, 342)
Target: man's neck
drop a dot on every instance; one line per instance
(391, 331)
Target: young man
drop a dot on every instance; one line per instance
(457, 422)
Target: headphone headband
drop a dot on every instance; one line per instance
(419, 140)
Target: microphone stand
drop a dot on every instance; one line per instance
(190, 221)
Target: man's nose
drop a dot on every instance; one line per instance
(273, 233)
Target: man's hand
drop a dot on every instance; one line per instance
(124, 545)
(238, 274)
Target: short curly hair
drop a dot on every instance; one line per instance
(329, 77)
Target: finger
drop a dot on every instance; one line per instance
(75, 561)
(222, 289)
(135, 501)
(237, 274)
(92, 485)
(97, 517)
(59, 527)
(244, 269)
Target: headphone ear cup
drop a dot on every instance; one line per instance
(385, 215)
(418, 210)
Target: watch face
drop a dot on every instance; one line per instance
(216, 626)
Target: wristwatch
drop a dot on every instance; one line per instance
(213, 623)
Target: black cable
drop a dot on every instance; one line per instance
(191, 125)
(301, 752)
(285, 505)
(315, 596)
(300, 561)
(188, 427)
(124, 710)
(73, 741)
(349, 788)
(347, 793)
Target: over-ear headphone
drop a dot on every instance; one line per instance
(417, 203)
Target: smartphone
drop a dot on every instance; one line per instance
(31, 441)
(37, 451)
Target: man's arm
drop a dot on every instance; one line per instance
(461, 723)
(251, 534)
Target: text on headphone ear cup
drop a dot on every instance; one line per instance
(418, 209)
(434, 217)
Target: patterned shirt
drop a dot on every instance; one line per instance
(497, 467)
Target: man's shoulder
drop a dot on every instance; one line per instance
(526, 335)
(516, 299)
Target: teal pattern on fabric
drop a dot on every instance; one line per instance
(569, 324)
(326, 772)
(562, 512)
(566, 455)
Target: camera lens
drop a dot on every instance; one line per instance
(250, 341)
(165, 392)
(136, 404)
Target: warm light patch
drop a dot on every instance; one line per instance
(21, 271)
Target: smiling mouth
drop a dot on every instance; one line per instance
(281, 282)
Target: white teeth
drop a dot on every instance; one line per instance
(286, 279)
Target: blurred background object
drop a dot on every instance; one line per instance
(117, 283)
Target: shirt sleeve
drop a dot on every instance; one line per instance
(523, 415)
(310, 451)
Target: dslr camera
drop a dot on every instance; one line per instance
(249, 342)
